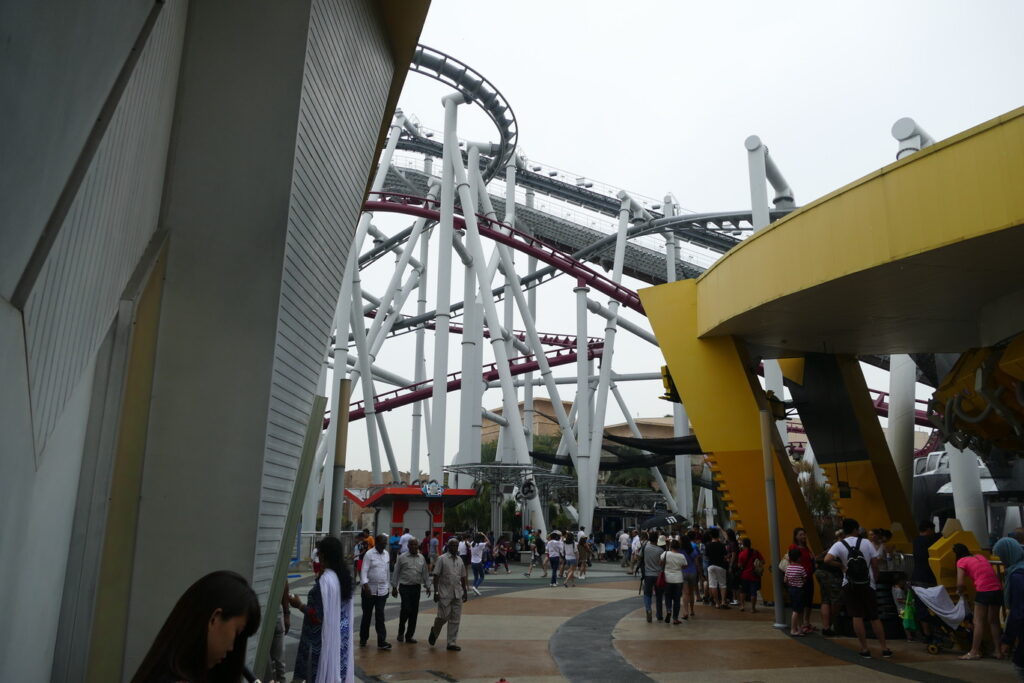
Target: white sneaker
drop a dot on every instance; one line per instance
(475, 590)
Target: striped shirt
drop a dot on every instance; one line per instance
(796, 575)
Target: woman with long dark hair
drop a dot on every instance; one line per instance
(325, 643)
(204, 637)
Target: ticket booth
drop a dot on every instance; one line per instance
(417, 508)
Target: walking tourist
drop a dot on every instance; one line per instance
(410, 574)
(624, 548)
(435, 547)
(988, 596)
(464, 550)
(690, 573)
(717, 563)
(751, 567)
(796, 578)
(204, 637)
(650, 568)
(673, 562)
(394, 546)
(584, 552)
(325, 641)
(571, 559)
(922, 574)
(375, 579)
(732, 548)
(501, 552)
(859, 563)
(449, 578)
(403, 542)
(555, 550)
(539, 555)
(807, 562)
(281, 627)
(1011, 553)
(477, 549)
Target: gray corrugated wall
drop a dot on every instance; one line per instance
(348, 72)
(107, 228)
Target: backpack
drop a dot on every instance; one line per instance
(856, 564)
(758, 566)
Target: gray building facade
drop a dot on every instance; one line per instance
(179, 185)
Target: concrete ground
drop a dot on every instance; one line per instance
(522, 630)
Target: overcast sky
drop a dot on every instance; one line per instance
(658, 97)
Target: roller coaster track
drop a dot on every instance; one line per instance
(564, 340)
(388, 202)
(403, 396)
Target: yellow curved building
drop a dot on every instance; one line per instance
(924, 255)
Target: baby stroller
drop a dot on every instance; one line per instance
(951, 626)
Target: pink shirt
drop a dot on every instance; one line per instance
(981, 573)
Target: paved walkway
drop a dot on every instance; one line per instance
(525, 632)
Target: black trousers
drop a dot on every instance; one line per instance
(673, 591)
(653, 594)
(410, 595)
(373, 603)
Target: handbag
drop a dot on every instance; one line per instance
(784, 564)
(660, 582)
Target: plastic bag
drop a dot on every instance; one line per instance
(910, 613)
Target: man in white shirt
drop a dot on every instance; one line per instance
(858, 559)
(634, 548)
(403, 542)
(624, 548)
(556, 551)
(375, 577)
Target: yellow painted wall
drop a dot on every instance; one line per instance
(723, 401)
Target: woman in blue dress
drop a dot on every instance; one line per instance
(325, 643)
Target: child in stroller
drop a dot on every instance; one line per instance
(951, 627)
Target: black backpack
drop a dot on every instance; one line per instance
(857, 571)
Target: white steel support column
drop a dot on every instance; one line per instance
(334, 482)
(680, 421)
(479, 192)
(533, 339)
(762, 169)
(589, 487)
(529, 416)
(968, 501)
(389, 452)
(902, 370)
(582, 407)
(758, 182)
(468, 404)
(900, 431)
(420, 360)
(367, 390)
(510, 404)
(446, 228)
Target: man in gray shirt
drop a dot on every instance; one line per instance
(409, 574)
(449, 577)
(650, 566)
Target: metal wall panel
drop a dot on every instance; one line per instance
(106, 231)
(348, 73)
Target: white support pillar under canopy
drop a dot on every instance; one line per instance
(968, 501)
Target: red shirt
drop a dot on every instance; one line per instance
(746, 562)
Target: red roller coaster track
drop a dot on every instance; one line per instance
(402, 396)
(422, 207)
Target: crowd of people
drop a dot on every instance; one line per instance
(204, 637)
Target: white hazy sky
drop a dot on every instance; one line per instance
(658, 97)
